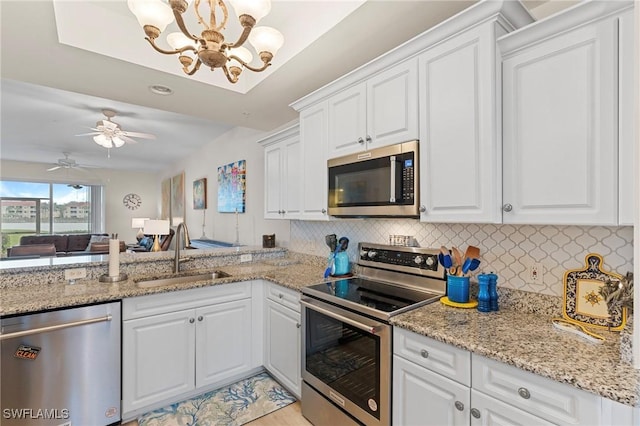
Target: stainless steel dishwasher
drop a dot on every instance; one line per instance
(61, 367)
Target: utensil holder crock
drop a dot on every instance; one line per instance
(458, 288)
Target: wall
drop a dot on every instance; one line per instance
(116, 183)
(238, 144)
(508, 250)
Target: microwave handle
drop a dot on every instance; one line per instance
(392, 180)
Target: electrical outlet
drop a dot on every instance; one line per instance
(75, 274)
(246, 257)
(535, 273)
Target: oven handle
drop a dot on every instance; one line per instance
(368, 328)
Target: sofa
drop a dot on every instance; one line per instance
(72, 244)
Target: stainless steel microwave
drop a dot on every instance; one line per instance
(381, 182)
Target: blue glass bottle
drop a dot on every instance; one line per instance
(484, 299)
(493, 291)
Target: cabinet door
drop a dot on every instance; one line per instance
(421, 397)
(392, 105)
(313, 137)
(487, 411)
(273, 165)
(347, 121)
(157, 358)
(291, 180)
(282, 345)
(459, 150)
(223, 341)
(626, 153)
(560, 129)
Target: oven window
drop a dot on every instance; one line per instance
(345, 358)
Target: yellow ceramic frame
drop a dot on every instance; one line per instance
(583, 303)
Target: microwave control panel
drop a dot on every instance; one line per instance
(408, 178)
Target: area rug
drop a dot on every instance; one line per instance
(234, 405)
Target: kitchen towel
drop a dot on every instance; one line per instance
(234, 405)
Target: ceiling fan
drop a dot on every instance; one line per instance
(109, 134)
(68, 163)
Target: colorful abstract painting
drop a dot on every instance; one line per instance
(232, 187)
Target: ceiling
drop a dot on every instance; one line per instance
(51, 91)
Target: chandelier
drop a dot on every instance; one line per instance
(210, 48)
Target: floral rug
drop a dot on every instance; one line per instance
(234, 405)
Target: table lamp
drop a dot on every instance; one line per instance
(156, 228)
(138, 222)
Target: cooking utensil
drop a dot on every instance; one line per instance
(470, 264)
(445, 260)
(329, 269)
(472, 252)
(344, 243)
(332, 241)
(457, 256)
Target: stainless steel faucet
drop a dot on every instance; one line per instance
(187, 245)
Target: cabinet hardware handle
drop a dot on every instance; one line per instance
(523, 392)
(360, 141)
(423, 209)
(200, 318)
(192, 320)
(459, 406)
(507, 207)
(475, 413)
(298, 325)
(424, 353)
(324, 211)
(280, 295)
(368, 139)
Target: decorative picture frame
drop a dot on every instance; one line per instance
(165, 194)
(177, 199)
(232, 187)
(200, 194)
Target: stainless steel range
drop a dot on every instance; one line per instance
(347, 350)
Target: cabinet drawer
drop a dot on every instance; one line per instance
(153, 304)
(284, 296)
(439, 357)
(555, 402)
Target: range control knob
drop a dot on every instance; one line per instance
(430, 261)
(363, 253)
(372, 254)
(418, 260)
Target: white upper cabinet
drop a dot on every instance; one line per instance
(381, 111)
(626, 152)
(560, 119)
(459, 145)
(313, 137)
(283, 171)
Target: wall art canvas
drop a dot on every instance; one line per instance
(165, 192)
(177, 199)
(232, 187)
(200, 194)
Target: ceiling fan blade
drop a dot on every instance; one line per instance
(127, 139)
(138, 135)
(89, 134)
(53, 168)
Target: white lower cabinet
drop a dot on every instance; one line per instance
(431, 387)
(282, 336)
(181, 342)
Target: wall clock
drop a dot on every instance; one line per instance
(132, 201)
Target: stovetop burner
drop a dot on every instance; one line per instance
(391, 280)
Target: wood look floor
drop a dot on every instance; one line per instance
(287, 416)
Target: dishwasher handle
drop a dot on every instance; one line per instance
(54, 327)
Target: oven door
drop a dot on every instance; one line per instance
(347, 358)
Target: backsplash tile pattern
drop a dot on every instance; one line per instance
(508, 250)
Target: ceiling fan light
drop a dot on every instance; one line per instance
(257, 9)
(102, 140)
(266, 39)
(117, 141)
(177, 40)
(151, 12)
(242, 53)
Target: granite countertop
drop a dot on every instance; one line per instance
(530, 342)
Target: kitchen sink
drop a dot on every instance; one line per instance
(181, 279)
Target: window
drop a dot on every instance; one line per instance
(48, 208)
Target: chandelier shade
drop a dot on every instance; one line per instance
(210, 48)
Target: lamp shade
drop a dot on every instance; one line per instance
(257, 9)
(266, 39)
(138, 222)
(151, 12)
(156, 227)
(177, 40)
(242, 53)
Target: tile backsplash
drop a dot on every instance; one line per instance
(507, 250)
